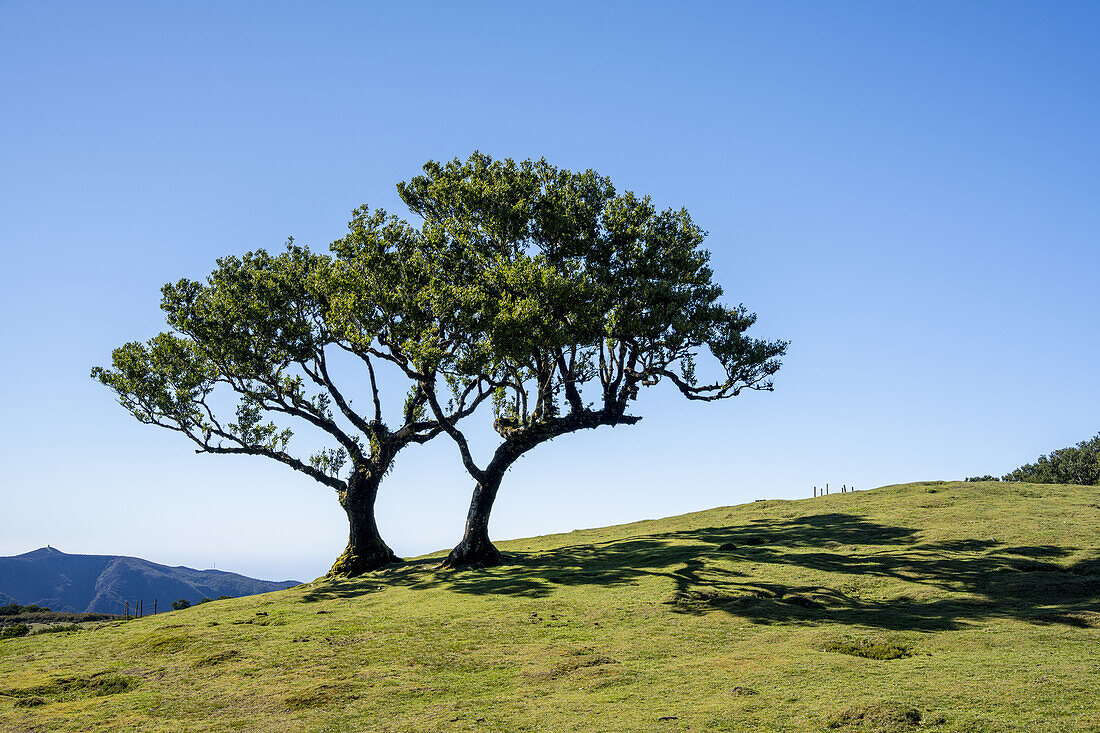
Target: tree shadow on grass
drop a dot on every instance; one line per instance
(726, 570)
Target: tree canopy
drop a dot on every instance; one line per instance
(249, 355)
(1078, 464)
(573, 297)
(540, 290)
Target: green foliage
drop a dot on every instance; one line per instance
(542, 289)
(560, 298)
(45, 616)
(567, 283)
(59, 629)
(10, 609)
(987, 477)
(181, 604)
(1075, 465)
(255, 339)
(329, 461)
(255, 329)
(9, 632)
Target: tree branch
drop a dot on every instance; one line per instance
(456, 435)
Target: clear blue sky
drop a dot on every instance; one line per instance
(909, 192)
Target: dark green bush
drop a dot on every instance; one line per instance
(986, 477)
(1077, 465)
(59, 629)
(204, 600)
(14, 609)
(181, 604)
(9, 632)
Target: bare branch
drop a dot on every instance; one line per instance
(456, 435)
(374, 390)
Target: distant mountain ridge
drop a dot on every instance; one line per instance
(104, 583)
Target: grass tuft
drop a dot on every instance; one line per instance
(72, 688)
(869, 649)
(318, 697)
(60, 629)
(878, 718)
(219, 658)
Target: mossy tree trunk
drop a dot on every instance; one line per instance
(366, 550)
(475, 549)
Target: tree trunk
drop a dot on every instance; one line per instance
(365, 551)
(475, 549)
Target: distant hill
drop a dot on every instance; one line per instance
(103, 583)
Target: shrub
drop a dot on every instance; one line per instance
(986, 477)
(59, 629)
(9, 632)
(204, 600)
(224, 598)
(181, 604)
(9, 610)
(1077, 465)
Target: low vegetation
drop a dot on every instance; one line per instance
(869, 649)
(14, 609)
(1079, 464)
(16, 620)
(953, 607)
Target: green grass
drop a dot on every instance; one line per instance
(936, 606)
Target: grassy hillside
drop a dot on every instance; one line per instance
(975, 607)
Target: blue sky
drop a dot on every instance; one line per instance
(907, 192)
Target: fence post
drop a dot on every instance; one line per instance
(154, 606)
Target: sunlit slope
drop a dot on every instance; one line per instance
(975, 607)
